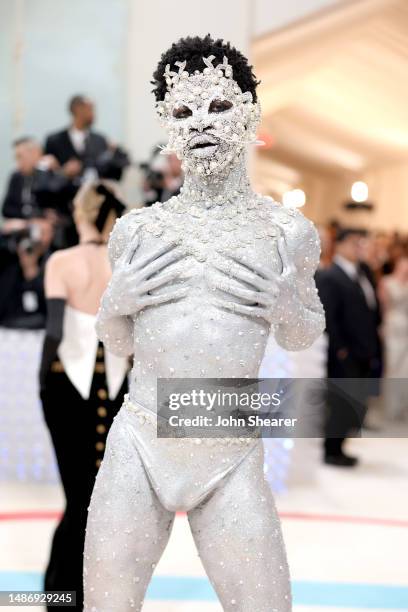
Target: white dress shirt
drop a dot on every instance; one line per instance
(78, 138)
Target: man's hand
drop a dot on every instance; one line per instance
(48, 162)
(136, 275)
(13, 225)
(29, 263)
(267, 294)
(72, 168)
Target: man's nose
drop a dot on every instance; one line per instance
(200, 127)
(201, 122)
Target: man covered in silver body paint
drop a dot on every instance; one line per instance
(198, 284)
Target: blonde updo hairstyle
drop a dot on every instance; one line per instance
(88, 202)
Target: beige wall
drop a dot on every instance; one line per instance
(388, 191)
(269, 15)
(326, 193)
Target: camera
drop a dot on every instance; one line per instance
(26, 239)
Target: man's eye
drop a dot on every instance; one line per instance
(181, 112)
(219, 106)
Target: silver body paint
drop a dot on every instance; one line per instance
(198, 284)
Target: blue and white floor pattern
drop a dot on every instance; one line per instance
(346, 535)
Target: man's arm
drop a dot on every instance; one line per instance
(116, 331)
(12, 204)
(332, 302)
(302, 318)
(50, 148)
(288, 300)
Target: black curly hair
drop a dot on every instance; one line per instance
(193, 49)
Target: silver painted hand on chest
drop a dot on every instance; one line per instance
(261, 292)
(137, 274)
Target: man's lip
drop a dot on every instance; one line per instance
(202, 141)
(203, 145)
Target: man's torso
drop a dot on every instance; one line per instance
(192, 337)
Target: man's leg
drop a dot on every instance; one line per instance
(344, 410)
(127, 530)
(238, 535)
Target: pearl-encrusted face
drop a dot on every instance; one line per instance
(208, 118)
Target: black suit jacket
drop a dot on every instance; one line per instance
(60, 145)
(13, 205)
(108, 162)
(350, 323)
(26, 195)
(13, 286)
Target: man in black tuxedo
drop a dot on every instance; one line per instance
(352, 319)
(81, 152)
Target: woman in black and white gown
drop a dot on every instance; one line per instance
(82, 385)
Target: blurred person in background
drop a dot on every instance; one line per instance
(368, 265)
(326, 246)
(34, 186)
(81, 385)
(333, 228)
(153, 177)
(173, 177)
(163, 177)
(396, 249)
(352, 320)
(82, 152)
(368, 256)
(381, 247)
(394, 299)
(24, 248)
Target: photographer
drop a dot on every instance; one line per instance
(163, 177)
(24, 247)
(35, 185)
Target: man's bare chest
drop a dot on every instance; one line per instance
(204, 236)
